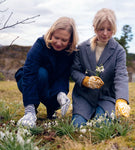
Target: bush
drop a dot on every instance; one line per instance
(2, 77)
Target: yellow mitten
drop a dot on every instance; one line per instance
(122, 108)
(93, 82)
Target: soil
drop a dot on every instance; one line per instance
(11, 59)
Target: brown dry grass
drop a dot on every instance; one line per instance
(10, 94)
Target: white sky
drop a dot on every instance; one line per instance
(82, 11)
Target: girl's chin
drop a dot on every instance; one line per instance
(104, 40)
(58, 49)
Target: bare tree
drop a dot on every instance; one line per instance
(5, 24)
(24, 21)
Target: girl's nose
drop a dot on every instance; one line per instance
(58, 42)
(105, 32)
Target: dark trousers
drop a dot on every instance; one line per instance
(43, 90)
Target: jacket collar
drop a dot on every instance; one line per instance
(108, 51)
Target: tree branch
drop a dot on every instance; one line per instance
(14, 40)
(8, 19)
(24, 21)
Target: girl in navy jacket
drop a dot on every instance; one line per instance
(45, 74)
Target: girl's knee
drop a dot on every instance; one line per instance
(42, 74)
(78, 120)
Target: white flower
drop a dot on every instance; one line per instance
(99, 120)
(90, 130)
(20, 139)
(112, 115)
(2, 135)
(99, 69)
(3, 124)
(12, 122)
(36, 148)
(56, 123)
(7, 133)
(81, 126)
(89, 124)
(28, 141)
(45, 125)
(81, 135)
(105, 115)
(83, 130)
(97, 72)
(23, 132)
(49, 125)
(86, 72)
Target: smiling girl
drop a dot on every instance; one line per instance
(45, 75)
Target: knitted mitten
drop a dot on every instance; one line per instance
(122, 108)
(29, 119)
(93, 82)
(64, 102)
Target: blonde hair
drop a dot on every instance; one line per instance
(103, 15)
(64, 23)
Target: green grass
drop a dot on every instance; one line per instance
(59, 133)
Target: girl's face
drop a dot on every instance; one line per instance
(105, 32)
(60, 39)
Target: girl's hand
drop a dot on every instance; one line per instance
(93, 82)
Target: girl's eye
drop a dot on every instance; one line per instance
(64, 40)
(109, 29)
(101, 29)
(56, 37)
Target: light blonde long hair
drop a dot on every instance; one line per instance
(64, 23)
(101, 16)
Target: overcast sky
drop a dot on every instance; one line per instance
(82, 11)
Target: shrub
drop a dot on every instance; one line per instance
(2, 77)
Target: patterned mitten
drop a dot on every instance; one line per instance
(29, 119)
(64, 102)
(122, 108)
(93, 82)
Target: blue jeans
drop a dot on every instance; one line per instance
(79, 120)
(99, 112)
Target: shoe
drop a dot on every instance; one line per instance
(28, 120)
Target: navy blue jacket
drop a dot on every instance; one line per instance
(57, 63)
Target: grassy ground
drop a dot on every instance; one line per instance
(12, 99)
